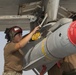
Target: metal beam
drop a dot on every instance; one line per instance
(16, 20)
(30, 17)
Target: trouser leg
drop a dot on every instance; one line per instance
(11, 73)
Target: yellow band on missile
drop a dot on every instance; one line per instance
(43, 50)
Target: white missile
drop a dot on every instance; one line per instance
(59, 44)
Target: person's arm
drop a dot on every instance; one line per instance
(25, 40)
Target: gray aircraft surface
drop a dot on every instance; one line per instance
(56, 37)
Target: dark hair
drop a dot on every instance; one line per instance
(7, 36)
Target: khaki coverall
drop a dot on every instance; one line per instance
(68, 67)
(13, 60)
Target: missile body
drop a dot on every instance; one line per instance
(54, 47)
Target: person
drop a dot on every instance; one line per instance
(67, 66)
(13, 55)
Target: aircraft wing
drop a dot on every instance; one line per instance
(26, 7)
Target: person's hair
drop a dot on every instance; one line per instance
(7, 36)
(11, 32)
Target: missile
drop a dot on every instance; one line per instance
(49, 50)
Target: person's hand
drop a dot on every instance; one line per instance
(36, 29)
